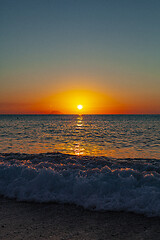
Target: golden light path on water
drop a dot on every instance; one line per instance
(93, 135)
(89, 140)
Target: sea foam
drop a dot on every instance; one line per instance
(96, 183)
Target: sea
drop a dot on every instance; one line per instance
(99, 162)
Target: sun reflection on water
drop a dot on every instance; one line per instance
(81, 135)
(78, 148)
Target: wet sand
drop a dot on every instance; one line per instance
(21, 220)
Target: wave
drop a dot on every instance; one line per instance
(96, 183)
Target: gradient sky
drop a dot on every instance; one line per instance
(104, 54)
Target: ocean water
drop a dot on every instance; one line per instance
(100, 162)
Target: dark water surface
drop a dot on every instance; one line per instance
(96, 135)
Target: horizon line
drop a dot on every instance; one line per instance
(80, 114)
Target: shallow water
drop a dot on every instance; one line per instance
(108, 135)
(96, 183)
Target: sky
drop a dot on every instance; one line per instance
(102, 54)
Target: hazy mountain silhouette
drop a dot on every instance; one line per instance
(56, 112)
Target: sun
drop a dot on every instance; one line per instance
(79, 106)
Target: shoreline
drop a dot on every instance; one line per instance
(28, 220)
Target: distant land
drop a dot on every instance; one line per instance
(56, 112)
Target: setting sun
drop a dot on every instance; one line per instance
(79, 107)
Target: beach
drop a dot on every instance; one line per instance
(27, 220)
(79, 120)
(54, 184)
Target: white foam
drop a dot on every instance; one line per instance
(96, 183)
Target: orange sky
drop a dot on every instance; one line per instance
(65, 102)
(103, 55)
(62, 94)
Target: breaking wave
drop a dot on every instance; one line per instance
(96, 183)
